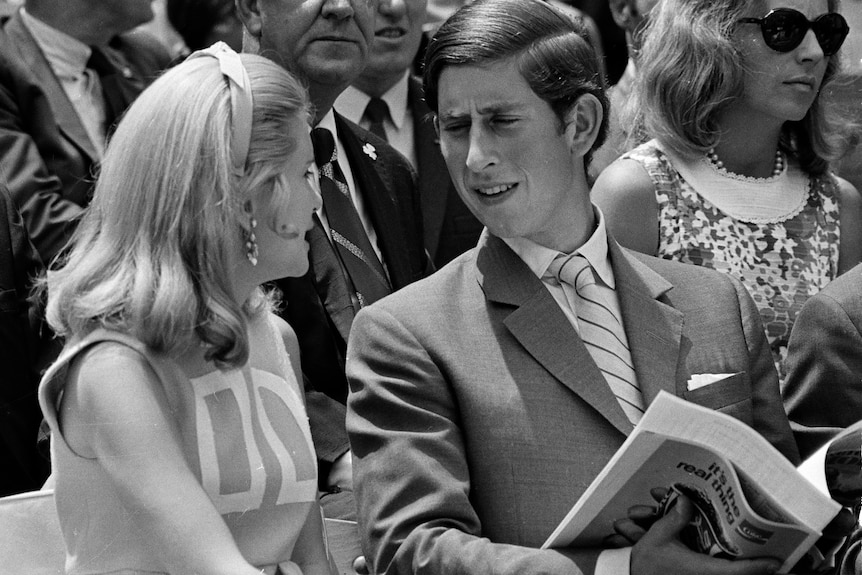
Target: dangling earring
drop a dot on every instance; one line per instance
(251, 242)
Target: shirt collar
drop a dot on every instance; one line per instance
(67, 55)
(396, 99)
(353, 101)
(594, 250)
(328, 122)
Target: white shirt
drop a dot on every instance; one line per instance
(328, 122)
(594, 250)
(399, 126)
(68, 57)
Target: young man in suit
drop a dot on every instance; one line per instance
(371, 196)
(68, 69)
(486, 398)
(387, 99)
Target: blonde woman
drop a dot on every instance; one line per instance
(179, 437)
(737, 177)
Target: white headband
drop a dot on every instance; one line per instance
(241, 104)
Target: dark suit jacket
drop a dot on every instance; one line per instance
(46, 157)
(450, 228)
(823, 388)
(477, 417)
(318, 305)
(24, 349)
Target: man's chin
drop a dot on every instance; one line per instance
(332, 72)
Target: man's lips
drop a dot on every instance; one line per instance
(390, 33)
(344, 39)
(493, 190)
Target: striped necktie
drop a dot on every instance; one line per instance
(345, 228)
(601, 330)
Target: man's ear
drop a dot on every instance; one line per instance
(583, 123)
(249, 14)
(624, 12)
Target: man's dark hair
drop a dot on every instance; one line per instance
(551, 48)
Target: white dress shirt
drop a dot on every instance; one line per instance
(595, 251)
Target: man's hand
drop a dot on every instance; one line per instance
(659, 551)
(341, 474)
(630, 529)
(819, 559)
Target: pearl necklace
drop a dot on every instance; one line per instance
(777, 168)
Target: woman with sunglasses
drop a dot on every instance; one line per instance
(180, 442)
(737, 176)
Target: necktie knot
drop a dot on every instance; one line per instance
(376, 112)
(573, 270)
(601, 330)
(324, 146)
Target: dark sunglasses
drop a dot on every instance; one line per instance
(784, 29)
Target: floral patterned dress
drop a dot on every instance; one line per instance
(782, 261)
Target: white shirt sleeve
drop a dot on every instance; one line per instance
(614, 561)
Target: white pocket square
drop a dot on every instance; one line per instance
(699, 380)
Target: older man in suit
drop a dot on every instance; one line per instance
(486, 398)
(68, 69)
(367, 240)
(387, 99)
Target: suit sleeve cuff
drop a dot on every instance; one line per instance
(614, 561)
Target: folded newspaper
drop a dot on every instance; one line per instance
(750, 501)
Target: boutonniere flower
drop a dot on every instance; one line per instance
(370, 151)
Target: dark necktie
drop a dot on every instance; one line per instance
(345, 228)
(377, 112)
(116, 87)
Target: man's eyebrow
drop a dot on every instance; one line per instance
(486, 110)
(451, 116)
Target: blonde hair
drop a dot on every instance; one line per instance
(690, 68)
(150, 255)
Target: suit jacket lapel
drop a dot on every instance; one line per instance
(34, 60)
(434, 178)
(653, 328)
(381, 205)
(127, 81)
(540, 326)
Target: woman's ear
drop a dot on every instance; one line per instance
(249, 14)
(624, 13)
(583, 123)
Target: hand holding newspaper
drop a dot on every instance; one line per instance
(750, 500)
